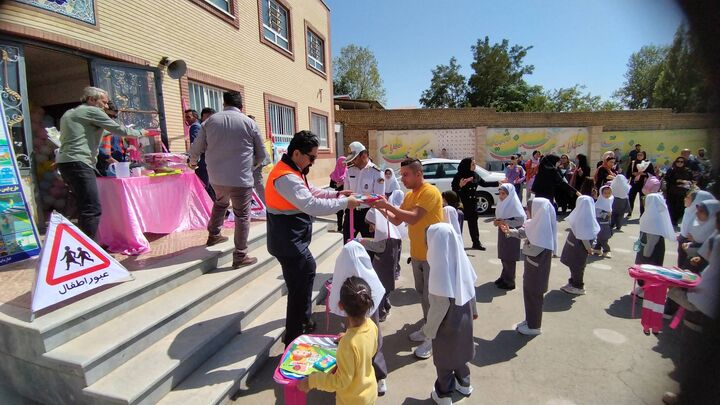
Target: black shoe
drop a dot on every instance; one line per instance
(383, 316)
(477, 246)
(498, 281)
(505, 286)
(309, 327)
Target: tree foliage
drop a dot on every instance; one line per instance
(643, 71)
(356, 73)
(568, 100)
(448, 88)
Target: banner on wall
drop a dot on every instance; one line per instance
(501, 143)
(18, 235)
(396, 145)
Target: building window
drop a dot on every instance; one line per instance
(319, 127)
(82, 10)
(315, 51)
(276, 24)
(282, 122)
(202, 96)
(223, 5)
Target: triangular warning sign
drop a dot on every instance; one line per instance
(71, 264)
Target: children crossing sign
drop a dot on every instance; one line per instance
(71, 264)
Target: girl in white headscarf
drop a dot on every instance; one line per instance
(655, 229)
(451, 293)
(701, 230)
(692, 199)
(386, 260)
(391, 183)
(578, 245)
(354, 261)
(603, 211)
(510, 212)
(540, 234)
(450, 216)
(620, 187)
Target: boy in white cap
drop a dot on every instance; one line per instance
(363, 177)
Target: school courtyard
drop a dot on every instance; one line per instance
(591, 351)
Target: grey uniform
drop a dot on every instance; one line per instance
(653, 250)
(574, 255)
(386, 261)
(509, 251)
(535, 278)
(603, 218)
(620, 207)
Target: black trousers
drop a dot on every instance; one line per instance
(81, 179)
(299, 275)
(358, 223)
(471, 216)
(636, 192)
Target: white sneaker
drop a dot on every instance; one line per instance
(523, 323)
(524, 330)
(572, 290)
(417, 336)
(466, 391)
(607, 255)
(424, 351)
(382, 387)
(440, 401)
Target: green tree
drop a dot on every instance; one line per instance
(448, 88)
(356, 73)
(497, 79)
(643, 70)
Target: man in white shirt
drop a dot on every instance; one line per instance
(363, 177)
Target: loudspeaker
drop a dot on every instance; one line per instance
(177, 69)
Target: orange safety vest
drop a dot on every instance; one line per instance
(273, 199)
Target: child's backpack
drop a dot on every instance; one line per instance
(652, 185)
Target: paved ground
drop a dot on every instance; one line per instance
(591, 350)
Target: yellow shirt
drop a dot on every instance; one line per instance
(427, 197)
(354, 380)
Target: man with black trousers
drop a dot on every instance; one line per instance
(291, 204)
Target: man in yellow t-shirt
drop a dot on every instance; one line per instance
(421, 208)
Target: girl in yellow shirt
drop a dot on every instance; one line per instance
(354, 380)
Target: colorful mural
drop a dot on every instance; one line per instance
(662, 147)
(83, 10)
(503, 142)
(394, 146)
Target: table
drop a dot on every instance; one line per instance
(135, 205)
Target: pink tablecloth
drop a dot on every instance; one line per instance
(162, 205)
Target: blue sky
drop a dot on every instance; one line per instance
(574, 42)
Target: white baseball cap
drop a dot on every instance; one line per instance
(355, 149)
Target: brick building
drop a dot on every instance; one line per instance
(275, 52)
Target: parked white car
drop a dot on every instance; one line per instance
(440, 173)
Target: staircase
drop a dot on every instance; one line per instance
(190, 332)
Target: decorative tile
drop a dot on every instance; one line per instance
(82, 10)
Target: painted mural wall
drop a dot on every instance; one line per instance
(503, 142)
(662, 147)
(394, 146)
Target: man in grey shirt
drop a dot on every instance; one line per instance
(232, 146)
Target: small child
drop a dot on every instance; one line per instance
(603, 211)
(354, 380)
(354, 262)
(450, 216)
(578, 245)
(386, 260)
(509, 211)
(692, 199)
(451, 293)
(620, 188)
(700, 231)
(540, 234)
(655, 228)
(451, 199)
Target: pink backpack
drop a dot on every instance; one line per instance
(652, 185)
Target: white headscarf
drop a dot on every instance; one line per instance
(705, 295)
(582, 219)
(541, 229)
(392, 184)
(451, 274)
(701, 231)
(620, 186)
(396, 199)
(384, 229)
(689, 214)
(354, 261)
(656, 218)
(603, 203)
(510, 207)
(450, 216)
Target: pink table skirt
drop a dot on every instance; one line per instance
(137, 205)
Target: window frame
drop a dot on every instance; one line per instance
(309, 28)
(270, 99)
(289, 53)
(230, 17)
(205, 87)
(313, 111)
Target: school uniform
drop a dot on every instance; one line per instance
(701, 231)
(386, 260)
(451, 288)
(621, 203)
(603, 211)
(354, 261)
(511, 211)
(540, 234)
(655, 228)
(686, 223)
(583, 230)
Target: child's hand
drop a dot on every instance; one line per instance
(304, 385)
(339, 336)
(498, 222)
(475, 317)
(685, 246)
(695, 261)
(590, 251)
(504, 228)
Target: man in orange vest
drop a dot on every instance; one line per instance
(291, 204)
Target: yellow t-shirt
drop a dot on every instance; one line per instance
(427, 197)
(354, 380)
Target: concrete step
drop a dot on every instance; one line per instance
(147, 377)
(62, 325)
(101, 350)
(216, 380)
